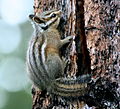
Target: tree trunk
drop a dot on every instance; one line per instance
(94, 24)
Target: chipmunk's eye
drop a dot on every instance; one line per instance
(53, 15)
(38, 20)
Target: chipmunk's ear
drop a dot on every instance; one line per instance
(36, 19)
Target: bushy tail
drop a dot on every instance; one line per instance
(67, 88)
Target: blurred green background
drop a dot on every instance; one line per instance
(15, 32)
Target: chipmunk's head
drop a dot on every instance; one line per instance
(47, 19)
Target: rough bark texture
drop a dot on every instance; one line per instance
(103, 42)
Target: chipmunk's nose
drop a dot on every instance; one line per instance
(31, 16)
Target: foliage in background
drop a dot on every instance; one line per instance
(15, 32)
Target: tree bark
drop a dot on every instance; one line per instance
(103, 40)
(94, 24)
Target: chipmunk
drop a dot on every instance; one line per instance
(44, 63)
